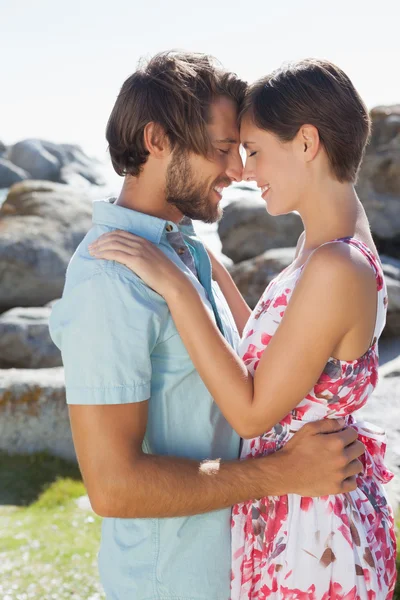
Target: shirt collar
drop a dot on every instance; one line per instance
(105, 212)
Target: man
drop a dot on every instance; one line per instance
(158, 459)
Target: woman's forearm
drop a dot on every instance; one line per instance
(237, 304)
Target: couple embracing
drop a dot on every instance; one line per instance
(219, 444)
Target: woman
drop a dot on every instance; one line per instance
(309, 348)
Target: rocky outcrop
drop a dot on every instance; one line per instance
(379, 181)
(247, 230)
(33, 413)
(41, 225)
(46, 161)
(25, 341)
(391, 269)
(10, 174)
(252, 276)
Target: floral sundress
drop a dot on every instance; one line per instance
(339, 547)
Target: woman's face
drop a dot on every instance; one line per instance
(277, 167)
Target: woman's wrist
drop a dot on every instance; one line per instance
(178, 289)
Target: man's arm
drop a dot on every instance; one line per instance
(107, 328)
(124, 482)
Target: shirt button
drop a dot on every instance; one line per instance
(181, 250)
(169, 228)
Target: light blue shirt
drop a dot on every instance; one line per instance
(119, 345)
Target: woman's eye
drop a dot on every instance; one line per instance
(252, 154)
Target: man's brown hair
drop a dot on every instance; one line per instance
(175, 90)
(313, 92)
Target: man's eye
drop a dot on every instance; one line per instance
(252, 154)
(223, 151)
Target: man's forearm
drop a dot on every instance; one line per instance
(159, 486)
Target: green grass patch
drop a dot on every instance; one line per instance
(48, 545)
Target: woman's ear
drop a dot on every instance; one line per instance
(309, 141)
(156, 140)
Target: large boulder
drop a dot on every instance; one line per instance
(247, 230)
(25, 341)
(379, 181)
(61, 163)
(391, 269)
(10, 174)
(34, 413)
(41, 225)
(252, 277)
(33, 157)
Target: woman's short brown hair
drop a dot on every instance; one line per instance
(313, 92)
(173, 89)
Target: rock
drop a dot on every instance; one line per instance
(61, 163)
(33, 157)
(379, 181)
(247, 230)
(3, 149)
(88, 168)
(25, 341)
(10, 174)
(34, 413)
(225, 260)
(391, 269)
(393, 314)
(391, 368)
(252, 276)
(41, 225)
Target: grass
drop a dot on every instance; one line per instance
(48, 545)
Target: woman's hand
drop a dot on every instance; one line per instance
(140, 256)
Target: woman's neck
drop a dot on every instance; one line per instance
(333, 213)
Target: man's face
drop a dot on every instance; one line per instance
(194, 183)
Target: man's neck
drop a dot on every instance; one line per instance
(137, 194)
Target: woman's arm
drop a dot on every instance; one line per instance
(323, 308)
(237, 304)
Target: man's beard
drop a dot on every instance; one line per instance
(191, 198)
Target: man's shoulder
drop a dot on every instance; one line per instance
(84, 270)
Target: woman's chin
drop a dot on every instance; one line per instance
(275, 210)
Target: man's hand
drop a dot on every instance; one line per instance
(321, 459)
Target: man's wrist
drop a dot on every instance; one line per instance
(277, 475)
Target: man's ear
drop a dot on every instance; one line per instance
(309, 141)
(156, 140)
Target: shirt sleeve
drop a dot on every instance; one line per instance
(106, 329)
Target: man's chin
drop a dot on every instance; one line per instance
(211, 217)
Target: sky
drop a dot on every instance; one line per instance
(63, 63)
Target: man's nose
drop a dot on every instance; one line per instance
(235, 168)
